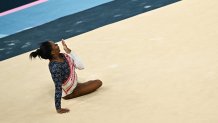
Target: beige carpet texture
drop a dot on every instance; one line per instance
(157, 67)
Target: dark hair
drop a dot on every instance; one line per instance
(43, 52)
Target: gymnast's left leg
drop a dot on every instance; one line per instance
(84, 88)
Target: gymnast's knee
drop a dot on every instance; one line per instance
(99, 83)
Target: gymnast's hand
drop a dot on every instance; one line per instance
(63, 110)
(66, 49)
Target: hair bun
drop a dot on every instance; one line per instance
(35, 54)
(38, 51)
(43, 52)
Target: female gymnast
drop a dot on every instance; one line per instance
(62, 68)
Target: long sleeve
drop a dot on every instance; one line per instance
(56, 76)
(78, 63)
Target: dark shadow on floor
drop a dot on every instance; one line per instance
(76, 24)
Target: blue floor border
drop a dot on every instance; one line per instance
(43, 13)
(76, 24)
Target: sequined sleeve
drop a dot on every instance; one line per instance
(57, 78)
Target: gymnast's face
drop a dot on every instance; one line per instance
(55, 48)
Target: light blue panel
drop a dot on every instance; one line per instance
(43, 13)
